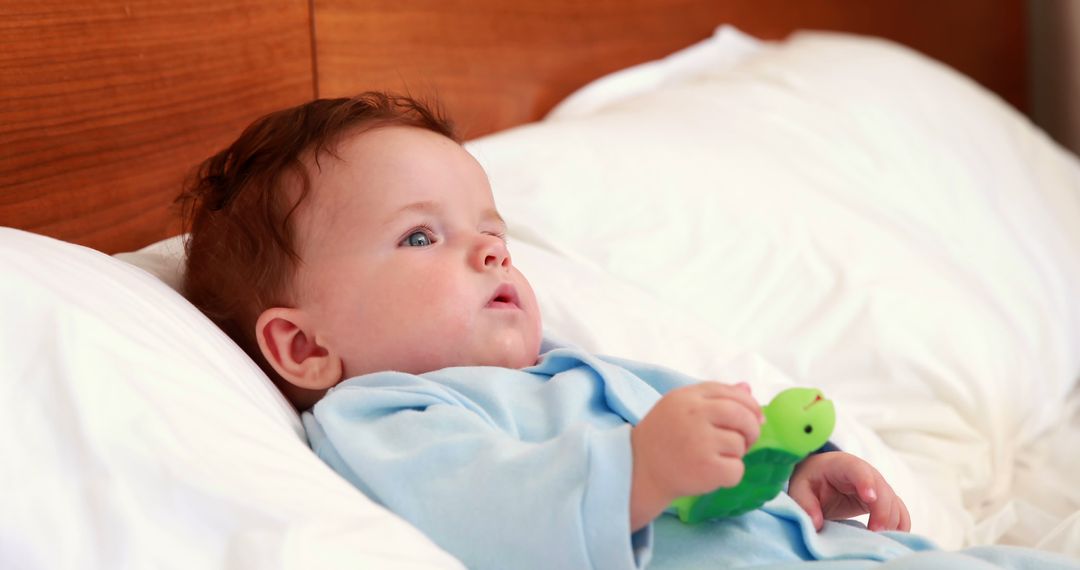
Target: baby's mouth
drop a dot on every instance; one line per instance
(505, 297)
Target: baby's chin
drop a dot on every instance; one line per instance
(521, 357)
(523, 361)
(509, 351)
(505, 359)
(519, 352)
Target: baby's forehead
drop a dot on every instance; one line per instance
(378, 170)
(369, 156)
(391, 140)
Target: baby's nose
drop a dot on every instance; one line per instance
(491, 253)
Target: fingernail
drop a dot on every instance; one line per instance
(872, 495)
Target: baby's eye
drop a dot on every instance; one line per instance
(418, 238)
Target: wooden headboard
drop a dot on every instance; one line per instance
(107, 105)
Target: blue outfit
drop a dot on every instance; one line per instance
(531, 468)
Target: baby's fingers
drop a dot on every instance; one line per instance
(738, 392)
(894, 516)
(804, 496)
(731, 416)
(888, 513)
(905, 517)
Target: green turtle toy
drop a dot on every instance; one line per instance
(797, 422)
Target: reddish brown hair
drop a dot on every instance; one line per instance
(241, 252)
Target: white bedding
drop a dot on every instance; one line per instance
(829, 211)
(883, 229)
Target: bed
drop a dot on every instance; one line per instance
(829, 193)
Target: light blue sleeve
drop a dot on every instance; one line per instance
(484, 495)
(661, 378)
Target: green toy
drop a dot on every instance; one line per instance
(797, 422)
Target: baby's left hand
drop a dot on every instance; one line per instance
(838, 485)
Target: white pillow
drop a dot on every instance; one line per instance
(869, 220)
(136, 435)
(725, 48)
(164, 259)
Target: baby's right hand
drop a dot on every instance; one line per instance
(691, 442)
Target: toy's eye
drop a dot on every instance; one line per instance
(808, 429)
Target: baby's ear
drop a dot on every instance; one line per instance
(294, 350)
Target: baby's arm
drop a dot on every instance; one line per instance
(691, 442)
(471, 481)
(839, 485)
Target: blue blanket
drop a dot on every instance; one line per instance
(781, 536)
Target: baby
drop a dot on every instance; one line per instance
(353, 248)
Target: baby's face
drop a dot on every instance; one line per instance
(405, 266)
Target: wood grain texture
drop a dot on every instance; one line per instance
(107, 105)
(495, 63)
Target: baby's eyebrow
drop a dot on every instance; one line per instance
(493, 215)
(422, 206)
(490, 214)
